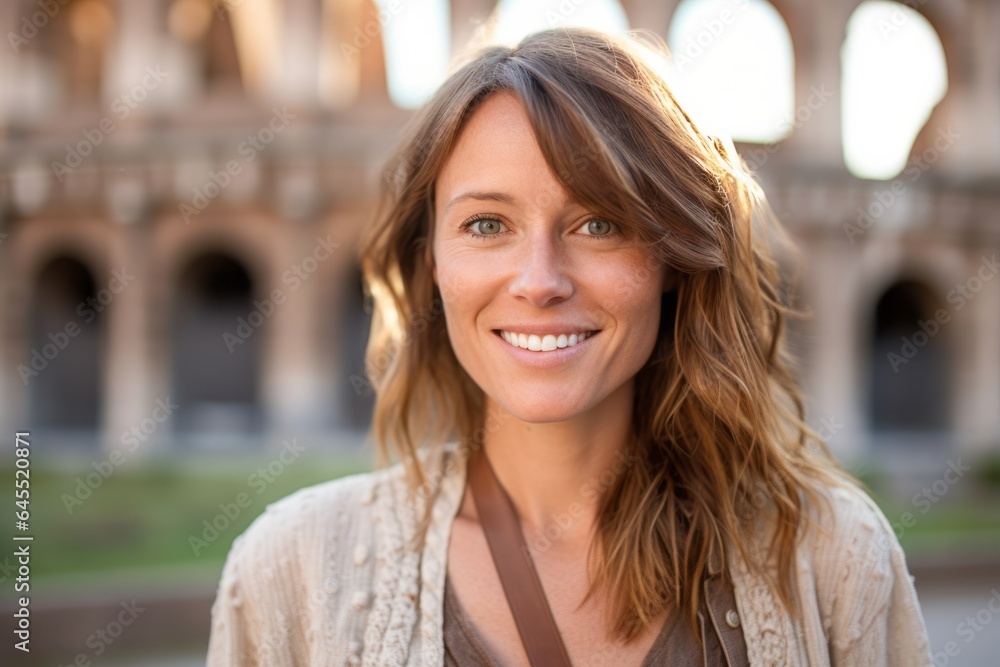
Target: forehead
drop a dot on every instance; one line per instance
(497, 150)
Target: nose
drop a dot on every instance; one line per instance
(540, 275)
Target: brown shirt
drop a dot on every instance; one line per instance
(675, 645)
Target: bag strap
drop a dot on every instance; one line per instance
(525, 595)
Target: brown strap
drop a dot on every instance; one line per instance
(525, 595)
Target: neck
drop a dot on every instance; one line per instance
(555, 473)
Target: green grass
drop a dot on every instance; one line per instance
(946, 527)
(140, 518)
(144, 517)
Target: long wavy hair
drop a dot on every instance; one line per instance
(718, 425)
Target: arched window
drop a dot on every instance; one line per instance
(217, 341)
(894, 74)
(733, 68)
(514, 19)
(416, 39)
(67, 356)
(909, 385)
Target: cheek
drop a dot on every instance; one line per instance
(633, 284)
(465, 293)
(632, 293)
(463, 283)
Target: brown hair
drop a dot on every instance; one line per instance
(719, 423)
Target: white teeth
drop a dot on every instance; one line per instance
(545, 343)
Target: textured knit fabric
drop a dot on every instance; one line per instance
(324, 577)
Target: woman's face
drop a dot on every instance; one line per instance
(543, 269)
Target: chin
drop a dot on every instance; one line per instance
(542, 411)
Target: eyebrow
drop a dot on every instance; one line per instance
(481, 196)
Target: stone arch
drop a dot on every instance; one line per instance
(893, 21)
(352, 67)
(699, 34)
(958, 64)
(66, 350)
(909, 384)
(216, 346)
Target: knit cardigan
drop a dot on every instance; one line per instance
(324, 577)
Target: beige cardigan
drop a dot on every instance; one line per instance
(323, 577)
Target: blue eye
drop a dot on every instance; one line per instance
(589, 225)
(490, 225)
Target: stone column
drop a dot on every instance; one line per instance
(977, 356)
(834, 381)
(818, 35)
(468, 17)
(292, 378)
(301, 51)
(655, 16)
(129, 381)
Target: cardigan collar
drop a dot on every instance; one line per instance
(450, 466)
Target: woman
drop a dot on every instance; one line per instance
(573, 285)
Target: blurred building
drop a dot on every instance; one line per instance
(183, 183)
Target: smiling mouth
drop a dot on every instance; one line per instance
(544, 343)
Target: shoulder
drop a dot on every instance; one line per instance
(853, 563)
(309, 555)
(846, 531)
(332, 514)
(283, 521)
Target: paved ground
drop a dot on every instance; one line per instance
(946, 606)
(960, 601)
(960, 621)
